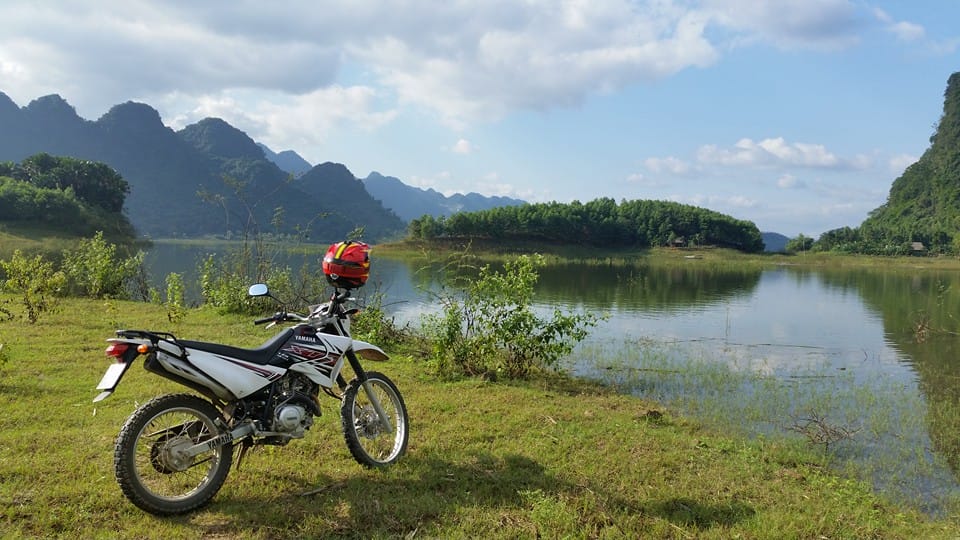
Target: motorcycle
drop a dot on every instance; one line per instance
(174, 452)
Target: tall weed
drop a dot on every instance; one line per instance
(175, 304)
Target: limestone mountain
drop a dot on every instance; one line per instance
(923, 206)
(288, 160)
(168, 171)
(410, 202)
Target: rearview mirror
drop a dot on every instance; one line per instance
(258, 290)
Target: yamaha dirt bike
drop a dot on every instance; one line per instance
(174, 452)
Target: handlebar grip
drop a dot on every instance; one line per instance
(264, 320)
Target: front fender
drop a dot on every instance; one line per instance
(369, 351)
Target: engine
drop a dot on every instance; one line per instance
(295, 405)
(281, 412)
(292, 419)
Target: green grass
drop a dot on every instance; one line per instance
(550, 457)
(32, 239)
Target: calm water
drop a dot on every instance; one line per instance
(871, 351)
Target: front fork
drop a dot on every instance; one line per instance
(362, 377)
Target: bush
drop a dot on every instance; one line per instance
(373, 325)
(37, 282)
(224, 284)
(489, 325)
(94, 269)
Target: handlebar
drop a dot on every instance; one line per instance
(336, 300)
(282, 316)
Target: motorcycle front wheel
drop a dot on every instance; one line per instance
(149, 466)
(372, 441)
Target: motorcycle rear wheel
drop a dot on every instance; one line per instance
(370, 443)
(147, 467)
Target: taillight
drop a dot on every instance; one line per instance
(117, 350)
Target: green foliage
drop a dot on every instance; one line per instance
(489, 325)
(799, 244)
(600, 223)
(36, 281)
(95, 269)
(224, 281)
(372, 323)
(96, 184)
(176, 307)
(81, 196)
(222, 286)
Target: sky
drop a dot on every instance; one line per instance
(794, 114)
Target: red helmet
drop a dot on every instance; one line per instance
(347, 264)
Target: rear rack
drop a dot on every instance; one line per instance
(154, 337)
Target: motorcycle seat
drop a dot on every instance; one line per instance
(261, 355)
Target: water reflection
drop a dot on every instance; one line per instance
(920, 312)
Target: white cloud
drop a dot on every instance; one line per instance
(818, 24)
(789, 181)
(465, 61)
(668, 164)
(903, 30)
(283, 121)
(462, 146)
(533, 55)
(907, 31)
(776, 152)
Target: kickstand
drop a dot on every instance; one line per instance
(244, 447)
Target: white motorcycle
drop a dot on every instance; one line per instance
(174, 452)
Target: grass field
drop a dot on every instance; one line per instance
(546, 458)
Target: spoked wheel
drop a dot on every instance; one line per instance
(373, 441)
(149, 462)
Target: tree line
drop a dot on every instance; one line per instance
(601, 223)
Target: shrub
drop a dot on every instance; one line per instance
(489, 325)
(94, 269)
(372, 323)
(224, 284)
(37, 282)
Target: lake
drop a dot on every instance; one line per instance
(861, 362)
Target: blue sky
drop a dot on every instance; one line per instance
(794, 114)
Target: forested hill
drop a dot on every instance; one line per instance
(82, 197)
(924, 202)
(598, 223)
